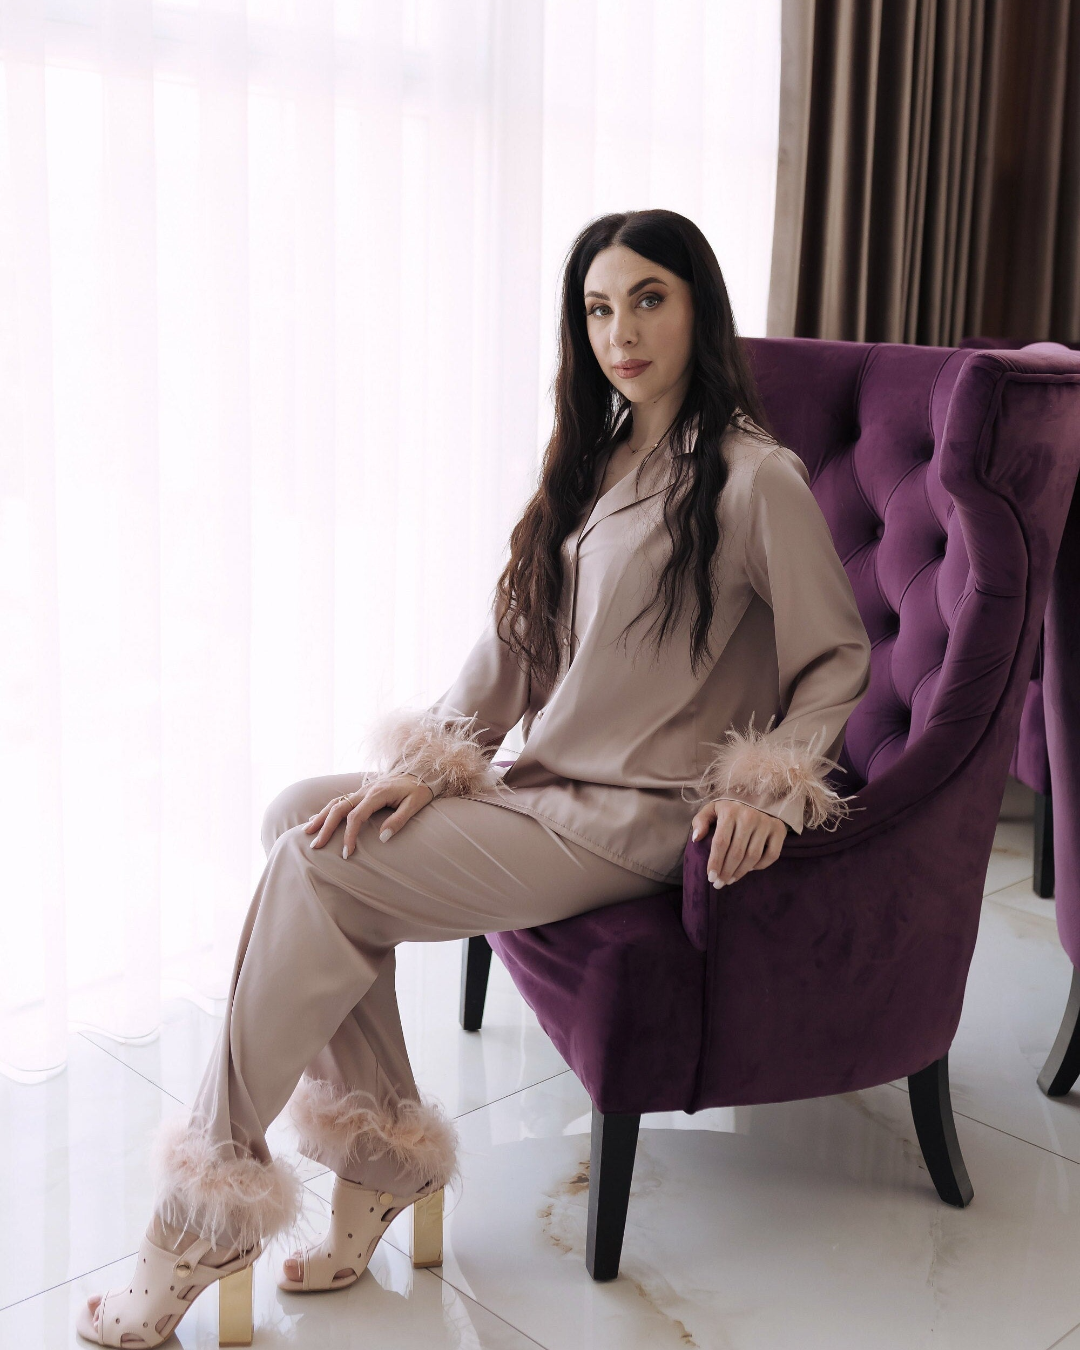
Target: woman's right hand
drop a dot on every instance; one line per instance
(404, 791)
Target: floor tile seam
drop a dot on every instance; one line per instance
(1005, 887)
(1024, 906)
(474, 1300)
(131, 1255)
(1061, 1339)
(128, 1256)
(526, 1087)
(404, 1251)
(123, 1064)
(998, 1130)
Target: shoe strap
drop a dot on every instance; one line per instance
(155, 1288)
(354, 1208)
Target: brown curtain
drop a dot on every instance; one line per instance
(928, 185)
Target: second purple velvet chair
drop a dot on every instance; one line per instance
(1031, 759)
(946, 477)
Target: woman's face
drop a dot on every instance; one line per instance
(639, 313)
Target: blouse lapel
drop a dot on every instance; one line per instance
(633, 488)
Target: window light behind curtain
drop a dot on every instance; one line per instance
(277, 320)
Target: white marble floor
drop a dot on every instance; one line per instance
(787, 1227)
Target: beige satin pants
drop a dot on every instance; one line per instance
(313, 981)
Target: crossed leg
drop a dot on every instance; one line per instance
(312, 1011)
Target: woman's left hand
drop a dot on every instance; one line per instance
(745, 839)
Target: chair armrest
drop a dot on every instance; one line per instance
(917, 811)
(836, 971)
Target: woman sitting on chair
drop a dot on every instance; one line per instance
(660, 489)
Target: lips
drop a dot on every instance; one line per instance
(627, 369)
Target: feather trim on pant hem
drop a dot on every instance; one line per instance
(340, 1127)
(758, 764)
(227, 1199)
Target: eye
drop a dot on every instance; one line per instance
(649, 295)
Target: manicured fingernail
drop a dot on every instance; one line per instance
(712, 876)
(696, 835)
(345, 851)
(386, 834)
(718, 883)
(313, 842)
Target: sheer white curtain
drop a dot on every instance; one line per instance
(278, 286)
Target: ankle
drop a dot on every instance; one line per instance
(175, 1238)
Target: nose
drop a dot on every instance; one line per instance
(623, 338)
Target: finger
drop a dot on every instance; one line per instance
(378, 799)
(755, 846)
(334, 810)
(740, 836)
(373, 800)
(702, 821)
(773, 846)
(720, 841)
(313, 822)
(393, 823)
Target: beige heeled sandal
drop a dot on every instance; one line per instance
(163, 1274)
(358, 1219)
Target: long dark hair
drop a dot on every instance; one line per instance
(591, 416)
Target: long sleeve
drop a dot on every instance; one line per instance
(822, 652)
(450, 745)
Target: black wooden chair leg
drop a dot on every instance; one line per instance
(931, 1109)
(611, 1167)
(475, 966)
(1044, 846)
(1062, 1067)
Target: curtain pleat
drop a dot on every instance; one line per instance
(929, 170)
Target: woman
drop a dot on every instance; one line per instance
(661, 490)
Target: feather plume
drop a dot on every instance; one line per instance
(335, 1123)
(204, 1185)
(758, 763)
(442, 751)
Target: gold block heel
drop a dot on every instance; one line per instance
(427, 1230)
(235, 1314)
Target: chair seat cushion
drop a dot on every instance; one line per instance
(620, 992)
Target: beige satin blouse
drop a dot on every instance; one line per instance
(620, 752)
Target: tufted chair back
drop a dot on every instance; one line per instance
(883, 431)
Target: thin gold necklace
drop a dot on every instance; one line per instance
(651, 447)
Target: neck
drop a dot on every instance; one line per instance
(653, 420)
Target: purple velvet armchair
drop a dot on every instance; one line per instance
(1047, 753)
(946, 477)
(1031, 759)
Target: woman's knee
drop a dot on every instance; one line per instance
(292, 806)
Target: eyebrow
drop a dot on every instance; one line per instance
(632, 291)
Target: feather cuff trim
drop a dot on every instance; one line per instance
(441, 751)
(225, 1198)
(756, 763)
(339, 1127)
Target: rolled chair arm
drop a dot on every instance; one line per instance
(832, 971)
